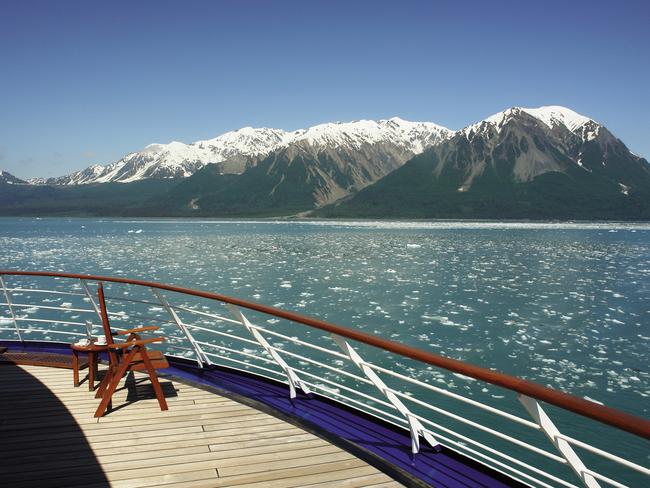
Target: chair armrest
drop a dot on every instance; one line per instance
(135, 331)
(125, 345)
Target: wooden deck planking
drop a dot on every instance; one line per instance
(202, 440)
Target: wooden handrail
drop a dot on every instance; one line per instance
(610, 416)
(146, 328)
(141, 342)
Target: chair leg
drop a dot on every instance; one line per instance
(154, 379)
(104, 383)
(107, 397)
(92, 369)
(115, 381)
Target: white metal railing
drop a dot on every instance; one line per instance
(242, 344)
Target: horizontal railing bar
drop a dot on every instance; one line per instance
(243, 339)
(322, 365)
(245, 364)
(47, 321)
(48, 331)
(48, 307)
(601, 413)
(178, 338)
(70, 309)
(52, 292)
(141, 318)
(298, 341)
(605, 454)
(133, 300)
(346, 388)
(167, 344)
(604, 478)
(489, 449)
(235, 351)
(478, 426)
(456, 396)
(357, 402)
(206, 314)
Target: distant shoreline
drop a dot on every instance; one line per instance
(360, 222)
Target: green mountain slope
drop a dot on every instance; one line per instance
(101, 199)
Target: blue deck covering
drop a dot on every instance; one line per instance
(356, 431)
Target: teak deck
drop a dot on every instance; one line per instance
(50, 438)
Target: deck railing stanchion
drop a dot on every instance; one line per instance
(11, 309)
(548, 427)
(89, 295)
(200, 357)
(416, 428)
(292, 377)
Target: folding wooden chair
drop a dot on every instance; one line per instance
(131, 355)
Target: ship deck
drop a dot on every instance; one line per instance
(50, 438)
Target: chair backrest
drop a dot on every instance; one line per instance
(105, 323)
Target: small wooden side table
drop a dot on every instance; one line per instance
(93, 351)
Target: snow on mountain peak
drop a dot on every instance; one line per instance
(246, 141)
(414, 135)
(177, 159)
(552, 116)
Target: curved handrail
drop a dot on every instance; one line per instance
(607, 415)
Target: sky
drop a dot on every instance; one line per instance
(87, 82)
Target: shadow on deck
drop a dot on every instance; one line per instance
(42, 443)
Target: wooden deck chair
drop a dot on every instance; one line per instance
(131, 355)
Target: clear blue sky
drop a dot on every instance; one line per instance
(86, 82)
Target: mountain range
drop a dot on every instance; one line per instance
(547, 163)
(234, 152)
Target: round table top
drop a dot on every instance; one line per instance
(90, 347)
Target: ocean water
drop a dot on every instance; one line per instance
(564, 305)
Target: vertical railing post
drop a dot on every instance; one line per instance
(415, 426)
(292, 377)
(200, 357)
(7, 295)
(89, 295)
(551, 431)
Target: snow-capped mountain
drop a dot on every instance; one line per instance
(543, 162)
(522, 163)
(540, 140)
(409, 136)
(10, 179)
(236, 151)
(552, 116)
(310, 168)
